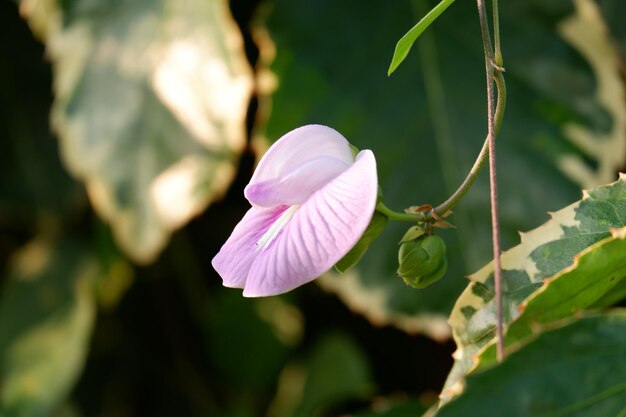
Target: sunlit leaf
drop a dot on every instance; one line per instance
(553, 254)
(612, 10)
(575, 370)
(151, 98)
(588, 33)
(46, 316)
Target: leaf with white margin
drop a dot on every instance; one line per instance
(588, 33)
(542, 253)
(151, 98)
(596, 272)
(573, 367)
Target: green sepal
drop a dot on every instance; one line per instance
(379, 196)
(355, 150)
(412, 233)
(374, 229)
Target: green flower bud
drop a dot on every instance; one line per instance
(422, 261)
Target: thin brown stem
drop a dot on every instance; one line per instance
(495, 226)
(469, 180)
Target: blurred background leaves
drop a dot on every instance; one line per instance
(157, 108)
(150, 103)
(47, 314)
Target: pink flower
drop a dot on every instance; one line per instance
(311, 202)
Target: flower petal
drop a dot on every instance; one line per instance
(320, 232)
(299, 146)
(234, 259)
(296, 185)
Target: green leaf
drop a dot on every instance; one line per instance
(617, 294)
(391, 407)
(335, 371)
(406, 42)
(594, 274)
(150, 111)
(47, 313)
(575, 370)
(235, 324)
(374, 229)
(579, 252)
(66, 410)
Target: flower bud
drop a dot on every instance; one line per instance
(422, 261)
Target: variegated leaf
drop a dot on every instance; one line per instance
(150, 106)
(548, 255)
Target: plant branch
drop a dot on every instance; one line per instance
(482, 156)
(493, 71)
(490, 66)
(469, 180)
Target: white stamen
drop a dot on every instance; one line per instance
(275, 228)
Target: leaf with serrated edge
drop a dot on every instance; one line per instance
(543, 252)
(595, 272)
(150, 108)
(574, 367)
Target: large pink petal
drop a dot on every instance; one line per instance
(299, 146)
(297, 185)
(234, 259)
(320, 232)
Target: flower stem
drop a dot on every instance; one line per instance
(494, 63)
(494, 68)
(482, 156)
(471, 176)
(394, 215)
(490, 67)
